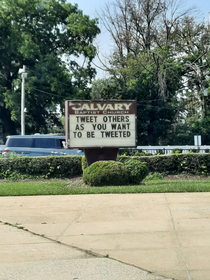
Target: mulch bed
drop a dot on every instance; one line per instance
(186, 177)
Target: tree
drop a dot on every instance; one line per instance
(160, 52)
(156, 110)
(195, 54)
(105, 89)
(50, 39)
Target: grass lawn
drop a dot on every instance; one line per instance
(76, 186)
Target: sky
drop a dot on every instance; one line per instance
(91, 7)
(94, 7)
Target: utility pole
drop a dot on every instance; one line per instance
(24, 76)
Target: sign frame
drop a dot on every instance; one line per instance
(86, 113)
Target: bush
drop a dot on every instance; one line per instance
(177, 151)
(105, 173)
(84, 163)
(70, 166)
(111, 173)
(198, 164)
(137, 170)
(44, 167)
(153, 176)
(131, 152)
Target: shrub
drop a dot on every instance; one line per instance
(44, 167)
(105, 173)
(190, 163)
(177, 151)
(70, 166)
(137, 170)
(153, 176)
(130, 152)
(84, 163)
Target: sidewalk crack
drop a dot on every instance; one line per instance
(178, 239)
(76, 217)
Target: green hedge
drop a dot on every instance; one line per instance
(46, 167)
(198, 164)
(70, 166)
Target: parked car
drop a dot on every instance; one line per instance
(37, 145)
(1, 149)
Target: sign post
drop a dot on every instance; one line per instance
(197, 140)
(100, 127)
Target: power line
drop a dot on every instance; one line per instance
(49, 93)
(151, 100)
(156, 106)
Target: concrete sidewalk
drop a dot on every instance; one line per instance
(165, 234)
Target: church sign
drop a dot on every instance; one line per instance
(98, 124)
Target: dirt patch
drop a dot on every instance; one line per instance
(186, 177)
(76, 182)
